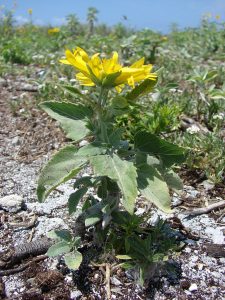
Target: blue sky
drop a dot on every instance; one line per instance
(155, 14)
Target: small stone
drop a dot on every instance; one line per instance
(96, 276)
(31, 281)
(154, 219)
(176, 201)
(75, 295)
(193, 287)
(15, 141)
(188, 250)
(115, 281)
(208, 185)
(222, 260)
(194, 258)
(140, 211)
(11, 203)
(200, 267)
(83, 143)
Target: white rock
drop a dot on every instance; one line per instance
(115, 281)
(140, 211)
(75, 295)
(188, 250)
(11, 203)
(193, 287)
(15, 140)
(47, 224)
(216, 234)
(208, 185)
(194, 258)
(83, 143)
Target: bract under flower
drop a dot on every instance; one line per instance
(106, 72)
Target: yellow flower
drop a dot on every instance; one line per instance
(106, 72)
(218, 17)
(164, 38)
(30, 11)
(53, 30)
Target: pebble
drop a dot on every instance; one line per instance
(15, 141)
(200, 266)
(208, 185)
(193, 287)
(83, 143)
(75, 295)
(188, 250)
(176, 201)
(47, 224)
(115, 281)
(194, 258)
(11, 203)
(140, 211)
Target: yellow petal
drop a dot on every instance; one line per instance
(138, 63)
(84, 80)
(76, 61)
(65, 61)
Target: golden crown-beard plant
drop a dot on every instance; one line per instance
(121, 169)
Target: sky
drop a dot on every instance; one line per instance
(157, 15)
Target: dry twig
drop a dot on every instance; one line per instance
(23, 267)
(205, 210)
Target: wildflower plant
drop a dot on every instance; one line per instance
(121, 169)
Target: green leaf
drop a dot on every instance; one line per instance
(71, 117)
(60, 235)
(73, 91)
(145, 87)
(173, 180)
(92, 149)
(119, 102)
(75, 198)
(63, 166)
(115, 136)
(93, 218)
(153, 187)
(58, 248)
(151, 144)
(86, 181)
(73, 260)
(121, 171)
(77, 241)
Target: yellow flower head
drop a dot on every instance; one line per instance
(30, 11)
(106, 72)
(164, 38)
(218, 17)
(53, 30)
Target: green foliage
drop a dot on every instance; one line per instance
(62, 167)
(206, 152)
(13, 52)
(70, 116)
(66, 245)
(123, 172)
(140, 246)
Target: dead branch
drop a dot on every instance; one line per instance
(20, 252)
(205, 210)
(23, 267)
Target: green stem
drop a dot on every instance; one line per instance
(100, 115)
